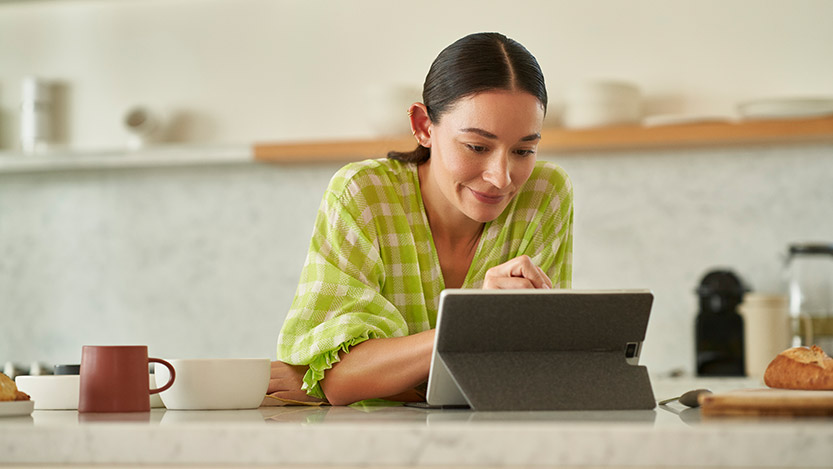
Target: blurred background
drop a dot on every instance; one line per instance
(202, 260)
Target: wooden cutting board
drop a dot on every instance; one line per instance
(768, 402)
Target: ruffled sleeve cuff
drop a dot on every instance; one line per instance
(324, 362)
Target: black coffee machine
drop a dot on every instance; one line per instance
(719, 327)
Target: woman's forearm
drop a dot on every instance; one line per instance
(379, 368)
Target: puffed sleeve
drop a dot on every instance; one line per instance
(338, 303)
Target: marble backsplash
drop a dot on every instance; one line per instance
(202, 261)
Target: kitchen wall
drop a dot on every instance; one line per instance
(241, 71)
(203, 260)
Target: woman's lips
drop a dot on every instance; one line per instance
(486, 198)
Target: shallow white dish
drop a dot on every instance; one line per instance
(786, 108)
(16, 408)
(211, 384)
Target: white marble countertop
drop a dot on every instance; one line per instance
(405, 436)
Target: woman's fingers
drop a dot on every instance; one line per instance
(285, 377)
(298, 396)
(519, 272)
(285, 382)
(547, 279)
(507, 283)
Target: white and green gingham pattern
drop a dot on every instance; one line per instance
(372, 270)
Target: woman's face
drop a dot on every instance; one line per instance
(482, 151)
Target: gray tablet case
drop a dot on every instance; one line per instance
(567, 350)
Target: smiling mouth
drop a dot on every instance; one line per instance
(486, 198)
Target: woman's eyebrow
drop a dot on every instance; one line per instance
(487, 134)
(481, 132)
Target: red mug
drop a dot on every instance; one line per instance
(115, 378)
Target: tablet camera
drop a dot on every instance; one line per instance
(632, 353)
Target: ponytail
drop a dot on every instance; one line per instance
(417, 156)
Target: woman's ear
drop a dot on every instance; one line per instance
(421, 125)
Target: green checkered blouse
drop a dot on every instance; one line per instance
(372, 270)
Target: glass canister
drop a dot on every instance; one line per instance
(809, 271)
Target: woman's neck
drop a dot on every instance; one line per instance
(455, 235)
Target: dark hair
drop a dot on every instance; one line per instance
(475, 63)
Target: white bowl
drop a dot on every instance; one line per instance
(209, 384)
(51, 392)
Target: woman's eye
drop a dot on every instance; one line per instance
(525, 152)
(476, 148)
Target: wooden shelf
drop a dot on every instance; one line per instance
(559, 140)
(334, 150)
(634, 137)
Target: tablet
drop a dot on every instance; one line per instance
(541, 350)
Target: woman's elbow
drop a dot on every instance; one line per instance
(337, 393)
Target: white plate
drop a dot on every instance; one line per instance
(16, 408)
(682, 119)
(786, 108)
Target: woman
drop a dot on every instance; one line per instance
(469, 208)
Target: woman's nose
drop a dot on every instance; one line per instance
(497, 172)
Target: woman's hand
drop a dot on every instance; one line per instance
(286, 381)
(519, 272)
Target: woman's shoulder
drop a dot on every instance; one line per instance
(355, 178)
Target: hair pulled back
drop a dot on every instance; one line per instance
(473, 64)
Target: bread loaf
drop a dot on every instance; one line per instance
(800, 368)
(9, 391)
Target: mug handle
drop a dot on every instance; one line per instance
(170, 368)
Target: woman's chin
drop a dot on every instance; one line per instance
(485, 215)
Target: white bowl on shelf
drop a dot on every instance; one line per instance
(602, 103)
(603, 91)
(215, 383)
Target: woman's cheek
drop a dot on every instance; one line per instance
(522, 171)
